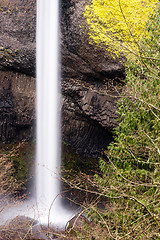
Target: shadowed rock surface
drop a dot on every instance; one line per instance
(89, 115)
(90, 78)
(90, 84)
(17, 35)
(17, 106)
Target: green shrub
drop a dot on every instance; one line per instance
(119, 24)
(131, 177)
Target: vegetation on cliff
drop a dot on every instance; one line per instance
(17, 168)
(128, 185)
(118, 24)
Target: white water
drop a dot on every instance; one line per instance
(48, 116)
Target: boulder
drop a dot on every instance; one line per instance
(22, 227)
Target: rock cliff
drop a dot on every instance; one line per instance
(90, 79)
(17, 106)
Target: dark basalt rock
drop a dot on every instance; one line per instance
(78, 53)
(17, 106)
(90, 84)
(17, 65)
(89, 115)
(17, 35)
(90, 77)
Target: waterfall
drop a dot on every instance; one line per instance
(46, 206)
(48, 116)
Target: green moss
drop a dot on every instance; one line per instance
(22, 155)
(77, 163)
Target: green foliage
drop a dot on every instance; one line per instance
(119, 24)
(125, 195)
(131, 178)
(21, 155)
(137, 136)
(76, 163)
(23, 160)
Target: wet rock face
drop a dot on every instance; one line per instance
(17, 106)
(17, 68)
(89, 77)
(84, 135)
(17, 35)
(89, 115)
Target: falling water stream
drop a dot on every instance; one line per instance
(45, 205)
(48, 115)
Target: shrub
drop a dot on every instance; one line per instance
(119, 24)
(130, 180)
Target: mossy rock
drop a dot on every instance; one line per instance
(77, 163)
(21, 154)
